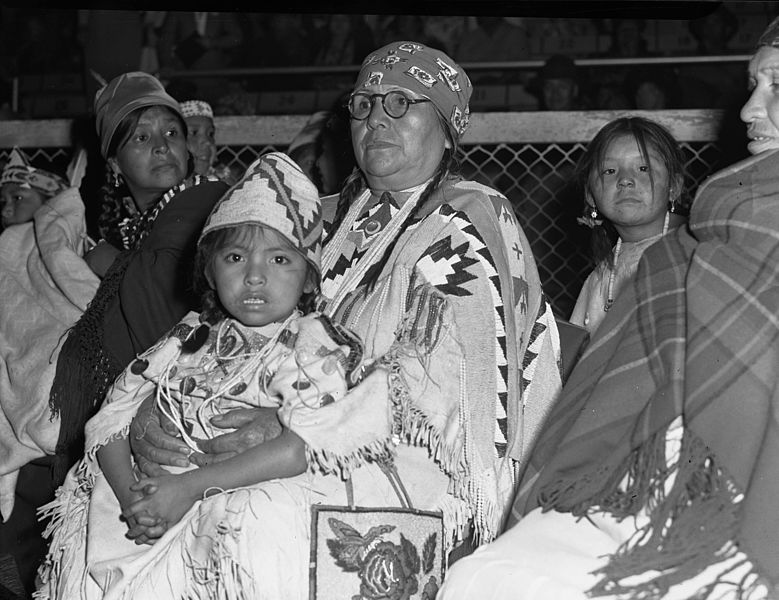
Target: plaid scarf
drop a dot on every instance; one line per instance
(695, 336)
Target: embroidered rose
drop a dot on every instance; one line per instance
(389, 572)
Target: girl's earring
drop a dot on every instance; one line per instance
(675, 205)
(116, 180)
(591, 217)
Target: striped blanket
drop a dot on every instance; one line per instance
(697, 336)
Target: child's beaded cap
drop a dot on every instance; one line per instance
(196, 108)
(18, 170)
(274, 192)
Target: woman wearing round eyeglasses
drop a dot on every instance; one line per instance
(437, 279)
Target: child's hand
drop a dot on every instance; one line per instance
(166, 498)
(143, 533)
(143, 527)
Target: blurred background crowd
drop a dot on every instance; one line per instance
(52, 60)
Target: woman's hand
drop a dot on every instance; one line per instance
(152, 444)
(252, 426)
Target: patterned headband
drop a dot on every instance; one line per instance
(274, 192)
(426, 71)
(19, 171)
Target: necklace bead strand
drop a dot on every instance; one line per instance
(613, 270)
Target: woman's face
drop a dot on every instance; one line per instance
(154, 157)
(623, 192)
(396, 154)
(761, 111)
(201, 142)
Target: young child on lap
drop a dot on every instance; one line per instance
(258, 260)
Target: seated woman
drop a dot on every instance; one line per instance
(657, 473)
(145, 289)
(437, 279)
(152, 213)
(632, 175)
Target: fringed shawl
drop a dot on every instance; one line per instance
(458, 317)
(696, 336)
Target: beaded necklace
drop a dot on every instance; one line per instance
(249, 360)
(613, 270)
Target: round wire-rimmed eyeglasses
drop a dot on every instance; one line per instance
(395, 104)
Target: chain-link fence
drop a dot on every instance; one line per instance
(536, 176)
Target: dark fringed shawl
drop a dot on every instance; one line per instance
(85, 372)
(696, 337)
(86, 368)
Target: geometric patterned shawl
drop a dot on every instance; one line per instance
(467, 255)
(697, 336)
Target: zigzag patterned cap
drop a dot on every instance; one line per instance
(18, 170)
(274, 192)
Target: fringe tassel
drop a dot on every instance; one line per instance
(411, 426)
(65, 561)
(222, 577)
(691, 527)
(623, 487)
(336, 464)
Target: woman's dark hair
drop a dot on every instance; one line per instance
(114, 207)
(356, 183)
(211, 309)
(647, 133)
(333, 137)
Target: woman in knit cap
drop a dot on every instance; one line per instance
(435, 276)
(156, 213)
(657, 474)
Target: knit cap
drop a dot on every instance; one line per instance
(18, 170)
(121, 96)
(274, 192)
(426, 71)
(196, 108)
